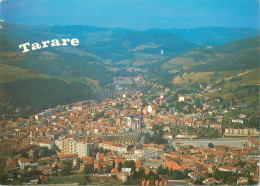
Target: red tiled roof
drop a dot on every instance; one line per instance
(252, 140)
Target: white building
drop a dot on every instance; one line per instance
(133, 122)
(22, 162)
(238, 121)
(80, 147)
(49, 144)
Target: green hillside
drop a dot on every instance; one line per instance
(51, 92)
(211, 35)
(232, 70)
(238, 55)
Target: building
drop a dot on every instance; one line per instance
(80, 147)
(242, 181)
(47, 113)
(181, 98)
(133, 122)
(241, 132)
(237, 121)
(144, 154)
(49, 144)
(252, 142)
(22, 162)
(170, 164)
(113, 147)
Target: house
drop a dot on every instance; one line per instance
(229, 167)
(167, 89)
(46, 170)
(181, 98)
(237, 121)
(252, 142)
(220, 147)
(11, 163)
(66, 157)
(209, 181)
(242, 181)
(123, 176)
(49, 144)
(193, 175)
(127, 170)
(210, 167)
(172, 165)
(22, 162)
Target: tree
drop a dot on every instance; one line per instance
(87, 180)
(141, 173)
(160, 170)
(78, 164)
(120, 165)
(199, 181)
(25, 155)
(242, 163)
(107, 151)
(36, 155)
(129, 164)
(108, 169)
(32, 174)
(251, 182)
(98, 115)
(3, 178)
(65, 171)
(55, 168)
(210, 145)
(47, 152)
(158, 135)
(113, 177)
(198, 103)
(152, 177)
(148, 138)
(178, 175)
(89, 169)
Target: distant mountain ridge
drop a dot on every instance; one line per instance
(210, 35)
(102, 42)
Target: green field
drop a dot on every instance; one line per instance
(10, 73)
(249, 76)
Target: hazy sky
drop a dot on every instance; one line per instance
(134, 14)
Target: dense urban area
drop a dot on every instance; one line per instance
(147, 135)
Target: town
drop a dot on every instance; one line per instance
(152, 136)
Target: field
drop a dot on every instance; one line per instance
(179, 62)
(91, 81)
(203, 76)
(47, 55)
(10, 73)
(11, 54)
(248, 76)
(142, 47)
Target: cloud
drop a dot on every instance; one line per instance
(2, 1)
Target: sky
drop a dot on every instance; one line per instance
(133, 14)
